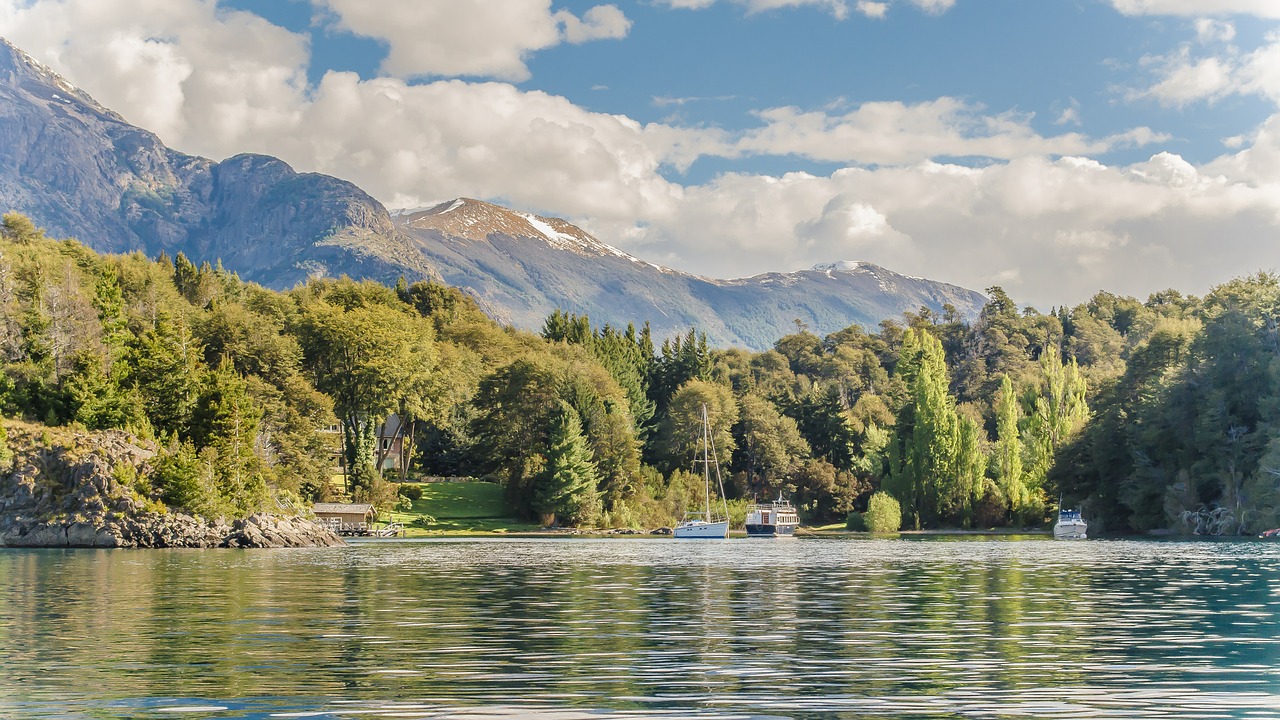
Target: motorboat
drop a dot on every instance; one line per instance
(776, 519)
(1070, 526)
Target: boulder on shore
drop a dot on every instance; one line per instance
(66, 493)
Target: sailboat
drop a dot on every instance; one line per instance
(704, 524)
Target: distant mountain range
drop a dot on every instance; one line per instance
(521, 267)
(80, 170)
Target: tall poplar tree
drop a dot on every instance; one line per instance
(1059, 410)
(1007, 454)
(925, 473)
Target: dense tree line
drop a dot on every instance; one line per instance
(1162, 414)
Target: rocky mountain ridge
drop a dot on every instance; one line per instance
(521, 267)
(80, 170)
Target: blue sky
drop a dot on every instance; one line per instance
(1055, 147)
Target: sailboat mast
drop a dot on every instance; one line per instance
(706, 462)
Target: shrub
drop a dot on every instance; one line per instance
(413, 492)
(855, 522)
(884, 514)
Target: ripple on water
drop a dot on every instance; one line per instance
(647, 628)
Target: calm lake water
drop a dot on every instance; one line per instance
(930, 627)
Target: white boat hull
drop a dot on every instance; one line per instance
(1070, 531)
(702, 529)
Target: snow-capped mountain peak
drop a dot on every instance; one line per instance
(476, 220)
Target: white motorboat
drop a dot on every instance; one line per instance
(1070, 526)
(703, 525)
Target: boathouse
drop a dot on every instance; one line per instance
(346, 518)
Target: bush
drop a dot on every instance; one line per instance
(413, 492)
(884, 514)
(855, 522)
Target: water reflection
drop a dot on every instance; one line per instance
(848, 628)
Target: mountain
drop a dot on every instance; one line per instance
(521, 267)
(80, 170)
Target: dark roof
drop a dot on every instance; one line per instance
(343, 508)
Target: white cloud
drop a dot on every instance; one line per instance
(164, 64)
(838, 8)
(487, 39)
(1184, 79)
(1209, 30)
(602, 22)
(1065, 227)
(935, 7)
(876, 10)
(1043, 219)
(898, 133)
(1199, 8)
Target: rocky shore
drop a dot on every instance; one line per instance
(67, 492)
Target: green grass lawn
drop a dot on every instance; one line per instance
(460, 507)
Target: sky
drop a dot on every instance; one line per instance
(1053, 147)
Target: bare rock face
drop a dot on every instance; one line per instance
(80, 170)
(66, 492)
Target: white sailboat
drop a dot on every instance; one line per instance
(705, 524)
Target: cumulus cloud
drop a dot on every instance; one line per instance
(898, 133)
(1184, 78)
(164, 64)
(838, 8)
(602, 22)
(1209, 30)
(1040, 217)
(487, 39)
(1051, 231)
(875, 10)
(1199, 8)
(935, 7)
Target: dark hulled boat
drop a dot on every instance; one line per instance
(775, 519)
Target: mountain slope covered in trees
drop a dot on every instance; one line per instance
(1155, 415)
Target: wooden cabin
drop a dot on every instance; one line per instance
(346, 518)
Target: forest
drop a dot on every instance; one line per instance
(1160, 415)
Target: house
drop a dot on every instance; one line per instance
(346, 518)
(391, 444)
(389, 450)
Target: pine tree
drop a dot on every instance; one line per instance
(566, 490)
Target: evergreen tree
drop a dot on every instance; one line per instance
(565, 491)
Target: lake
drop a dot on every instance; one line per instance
(562, 629)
